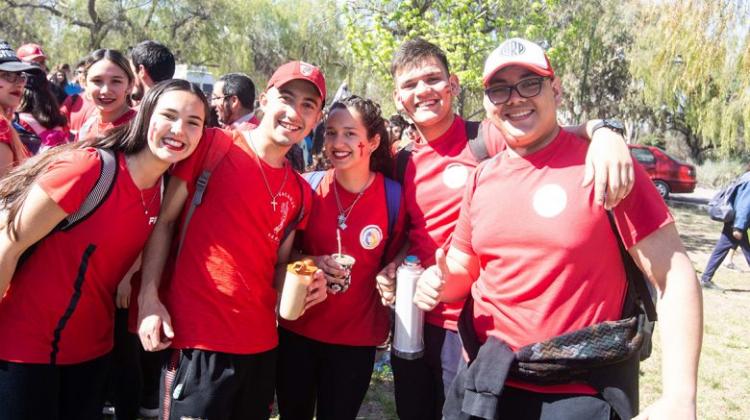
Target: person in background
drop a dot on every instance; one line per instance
(109, 82)
(13, 76)
(152, 62)
(77, 108)
(733, 234)
(39, 121)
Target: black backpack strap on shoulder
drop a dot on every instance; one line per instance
(476, 140)
(402, 159)
(101, 190)
(301, 213)
(635, 277)
(218, 149)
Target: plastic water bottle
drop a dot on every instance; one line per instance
(408, 341)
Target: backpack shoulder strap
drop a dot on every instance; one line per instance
(314, 178)
(402, 159)
(392, 202)
(475, 139)
(101, 190)
(635, 277)
(216, 151)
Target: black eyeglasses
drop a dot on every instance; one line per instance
(220, 98)
(528, 88)
(14, 78)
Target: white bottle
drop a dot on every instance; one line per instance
(408, 341)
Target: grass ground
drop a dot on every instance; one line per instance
(724, 379)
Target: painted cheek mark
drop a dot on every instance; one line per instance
(361, 149)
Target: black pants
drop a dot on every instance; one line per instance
(126, 380)
(212, 385)
(333, 377)
(62, 392)
(421, 384)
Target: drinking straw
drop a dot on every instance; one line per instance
(338, 239)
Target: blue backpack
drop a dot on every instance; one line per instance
(720, 207)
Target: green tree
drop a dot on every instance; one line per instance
(690, 60)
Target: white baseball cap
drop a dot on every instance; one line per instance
(517, 52)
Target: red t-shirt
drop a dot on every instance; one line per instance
(221, 296)
(77, 109)
(33, 319)
(549, 261)
(355, 317)
(94, 126)
(434, 182)
(6, 137)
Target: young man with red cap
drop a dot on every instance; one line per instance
(218, 311)
(540, 259)
(32, 53)
(434, 177)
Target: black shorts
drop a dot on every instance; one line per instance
(200, 384)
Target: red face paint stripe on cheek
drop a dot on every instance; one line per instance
(361, 149)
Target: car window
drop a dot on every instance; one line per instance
(643, 155)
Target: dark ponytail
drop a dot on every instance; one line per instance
(381, 159)
(130, 138)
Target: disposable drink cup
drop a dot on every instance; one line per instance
(299, 275)
(346, 262)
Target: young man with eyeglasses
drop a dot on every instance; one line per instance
(433, 180)
(540, 259)
(218, 313)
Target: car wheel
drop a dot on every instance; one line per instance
(663, 188)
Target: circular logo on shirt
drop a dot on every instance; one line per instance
(455, 175)
(370, 236)
(550, 200)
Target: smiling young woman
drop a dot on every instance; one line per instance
(61, 295)
(330, 349)
(109, 81)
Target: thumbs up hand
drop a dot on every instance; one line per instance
(430, 285)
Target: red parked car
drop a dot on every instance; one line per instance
(669, 174)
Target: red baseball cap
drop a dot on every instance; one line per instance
(517, 52)
(299, 70)
(28, 52)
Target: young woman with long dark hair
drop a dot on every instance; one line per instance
(326, 356)
(39, 116)
(56, 305)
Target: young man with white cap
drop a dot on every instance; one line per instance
(434, 177)
(540, 259)
(219, 311)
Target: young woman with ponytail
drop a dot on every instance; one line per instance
(326, 356)
(56, 304)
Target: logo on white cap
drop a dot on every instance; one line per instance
(305, 69)
(512, 48)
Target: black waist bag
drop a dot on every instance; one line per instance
(569, 357)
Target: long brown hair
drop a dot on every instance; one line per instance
(130, 138)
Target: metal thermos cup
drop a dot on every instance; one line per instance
(408, 341)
